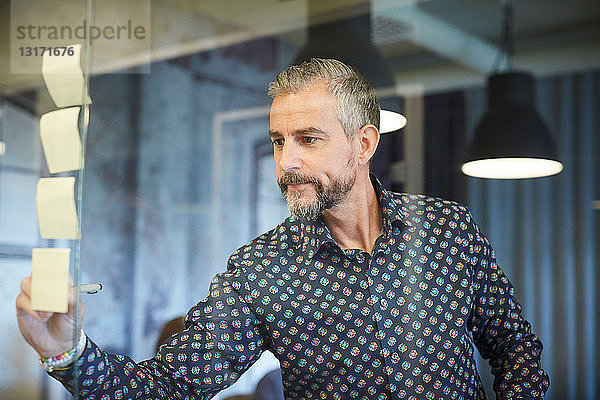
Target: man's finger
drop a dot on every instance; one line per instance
(73, 296)
(23, 304)
(26, 286)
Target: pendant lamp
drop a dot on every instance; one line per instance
(511, 141)
(349, 40)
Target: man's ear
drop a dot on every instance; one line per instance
(368, 140)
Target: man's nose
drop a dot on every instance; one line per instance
(289, 157)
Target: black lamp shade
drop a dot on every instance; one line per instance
(349, 40)
(511, 128)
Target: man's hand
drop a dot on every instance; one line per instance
(50, 334)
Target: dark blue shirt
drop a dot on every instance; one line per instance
(400, 323)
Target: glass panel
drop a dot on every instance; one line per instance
(49, 73)
(179, 169)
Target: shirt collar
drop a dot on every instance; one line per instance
(393, 209)
(314, 234)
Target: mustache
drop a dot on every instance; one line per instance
(296, 178)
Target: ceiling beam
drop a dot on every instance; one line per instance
(437, 35)
(542, 63)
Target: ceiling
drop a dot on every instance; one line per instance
(434, 44)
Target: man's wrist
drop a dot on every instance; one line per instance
(66, 359)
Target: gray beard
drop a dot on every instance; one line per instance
(327, 196)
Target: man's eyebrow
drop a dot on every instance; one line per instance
(310, 130)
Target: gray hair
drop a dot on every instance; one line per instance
(356, 102)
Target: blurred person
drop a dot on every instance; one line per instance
(361, 293)
(270, 387)
(169, 329)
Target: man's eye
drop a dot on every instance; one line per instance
(309, 139)
(277, 142)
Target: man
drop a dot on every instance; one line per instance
(361, 293)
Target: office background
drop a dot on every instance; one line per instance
(179, 173)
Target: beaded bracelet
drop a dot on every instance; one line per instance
(66, 358)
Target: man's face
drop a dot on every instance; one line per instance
(314, 160)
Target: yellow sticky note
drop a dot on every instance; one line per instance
(57, 215)
(50, 280)
(64, 77)
(60, 140)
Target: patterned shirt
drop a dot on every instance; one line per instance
(400, 323)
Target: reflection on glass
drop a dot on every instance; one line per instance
(179, 171)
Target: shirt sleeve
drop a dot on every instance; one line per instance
(500, 332)
(223, 339)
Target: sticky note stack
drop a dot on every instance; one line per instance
(55, 196)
